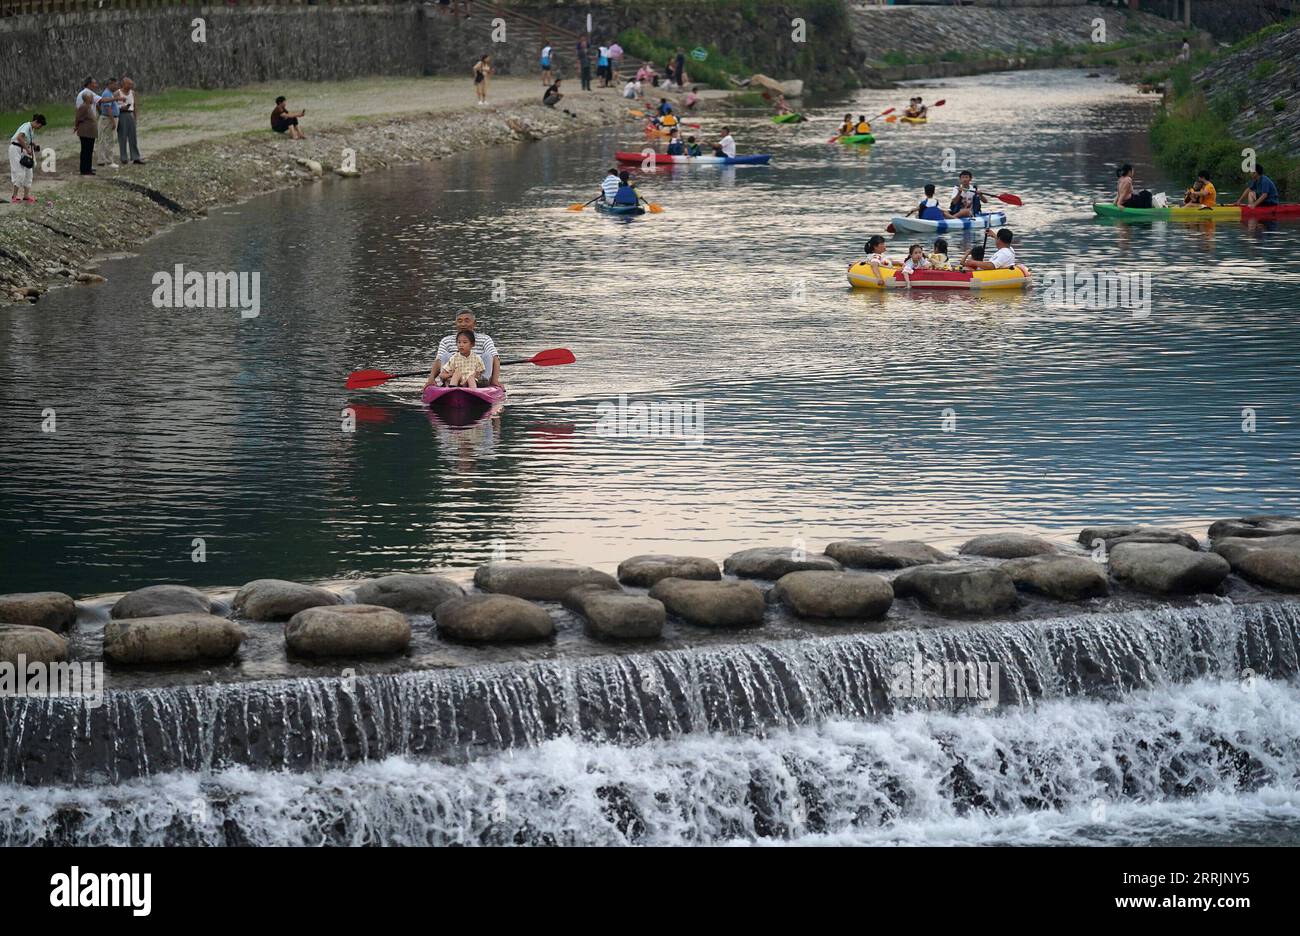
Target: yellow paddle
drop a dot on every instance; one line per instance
(576, 207)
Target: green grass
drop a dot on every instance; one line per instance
(60, 114)
(714, 71)
(1264, 68)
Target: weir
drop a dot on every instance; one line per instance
(320, 723)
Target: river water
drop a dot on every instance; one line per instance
(825, 413)
(823, 409)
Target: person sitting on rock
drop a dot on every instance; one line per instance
(464, 368)
(552, 95)
(284, 122)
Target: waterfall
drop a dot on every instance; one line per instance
(317, 724)
(1207, 761)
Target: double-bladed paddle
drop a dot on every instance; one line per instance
(890, 120)
(576, 207)
(361, 379)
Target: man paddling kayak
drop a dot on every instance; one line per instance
(483, 348)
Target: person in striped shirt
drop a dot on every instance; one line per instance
(483, 347)
(609, 187)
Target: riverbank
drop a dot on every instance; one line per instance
(1223, 105)
(215, 149)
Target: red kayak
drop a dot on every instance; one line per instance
(1273, 211)
(463, 397)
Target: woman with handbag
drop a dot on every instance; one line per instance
(22, 159)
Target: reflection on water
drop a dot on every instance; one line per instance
(823, 408)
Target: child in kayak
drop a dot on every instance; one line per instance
(626, 194)
(464, 368)
(965, 199)
(692, 148)
(1202, 193)
(916, 260)
(928, 209)
(939, 256)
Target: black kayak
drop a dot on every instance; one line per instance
(630, 210)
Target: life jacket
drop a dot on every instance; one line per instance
(626, 195)
(669, 120)
(863, 127)
(848, 129)
(675, 148)
(929, 210)
(693, 149)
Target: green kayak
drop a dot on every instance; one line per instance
(787, 118)
(858, 138)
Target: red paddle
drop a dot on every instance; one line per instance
(1009, 199)
(877, 117)
(373, 378)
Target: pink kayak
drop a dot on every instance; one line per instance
(462, 397)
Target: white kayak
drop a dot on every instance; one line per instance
(977, 223)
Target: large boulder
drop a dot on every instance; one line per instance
(859, 596)
(1112, 536)
(278, 600)
(347, 630)
(616, 615)
(875, 553)
(159, 600)
(1235, 548)
(958, 591)
(1272, 568)
(33, 644)
(412, 594)
(772, 562)
(493, 619)
(724, 604)
(1006, 546)
(1258, 525)
(645, 571)
(1065, 578)
(538, 581)
(52, 610)
(171, 638)
(1168, 568)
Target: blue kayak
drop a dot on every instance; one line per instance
(630, 210)
(977, 223)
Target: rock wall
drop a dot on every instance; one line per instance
(1228, 20)
(1257, 85)
(241, 45)
(918, 32)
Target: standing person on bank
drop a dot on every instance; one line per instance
(22, 159)
(126, 118)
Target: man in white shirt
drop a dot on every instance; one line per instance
(1003, 259)
(483, 347)
(727, 145)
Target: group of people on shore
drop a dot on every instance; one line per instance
(106, 115)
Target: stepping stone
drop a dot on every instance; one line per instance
(616, 615)
(1112, 536)
(172, 638)
(1168, 568)
(772, 562)
(725, 604)
(1065, 578)
(33, 644)
(1258, 525)
(875, 553)
(1235, 548)
(158, 600)
(645, 571)
(538, 581)
(278, 600)
(859, 596)
(52, 610)
(413, 594)
(347, 630)
(493, 619)
(1006, 546)
(958, 591)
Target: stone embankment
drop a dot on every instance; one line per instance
(1256, 85)
(56, 240)
(852, 582)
